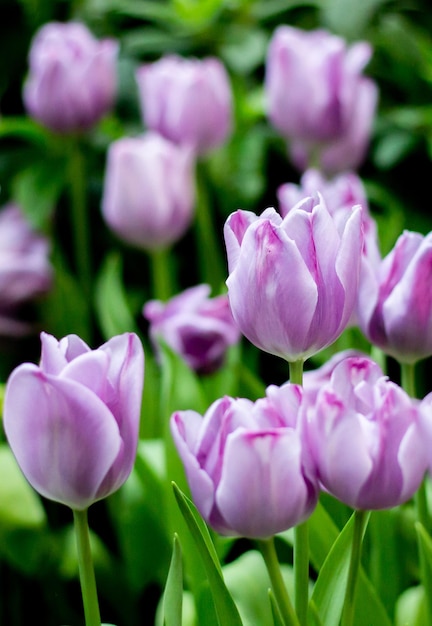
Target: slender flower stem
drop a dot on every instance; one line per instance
(161, 274)
(86, 571)
(354, 568)
(301, 535)
(268, 551)
(209, 239)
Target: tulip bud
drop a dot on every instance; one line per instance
(72, 422)
(293, 282)
(25, 271)
(246, 465)
(196, 327)
(365, 437)
(72, 78)
(149, 191)
(395, 299)
(319, 99)
(187, 100)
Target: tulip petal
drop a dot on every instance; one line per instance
(262, 472)
(58, 419)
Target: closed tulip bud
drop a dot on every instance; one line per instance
(293, 282)
(395, 299)
(198, 328)
(246, 464)
(72, 421)
(319, 99)
(25, 271)
(365, 437)
(187, 100)
(72, 78)
(149, 190)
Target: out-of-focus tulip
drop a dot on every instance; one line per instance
(149, 191)
(72, 422)
(293, 282)
(246, 465)
(195, 326)
(72, 79)
(395, 299)
(25, 271)
(187, 100)
(319, 99)
(340, 194)
(365, 437)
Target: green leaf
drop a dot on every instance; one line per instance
(411, 608)
(24, 128)
(226, 610)
(20, 506)
(173, 595)
(110, 299)
(277, 618)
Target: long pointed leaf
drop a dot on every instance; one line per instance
(226, 609)
(173, 596)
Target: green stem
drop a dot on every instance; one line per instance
(354, 568)
(408, 378)
(161, 274)
(209, 239)
(301, 535)
(86, 571)
(268, 551)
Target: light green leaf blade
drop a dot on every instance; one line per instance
(173, 595)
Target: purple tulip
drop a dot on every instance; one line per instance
(195, 326)
(149, 192)
(340, 194)
(25, 271)
(72, 79)
(395, 299)
(319, 99)
(72, 422)
(246, 465)
(187, 100)
(293, 282)
(365, 438)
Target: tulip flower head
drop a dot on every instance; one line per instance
(72, 421)
(319, 99)
(25, 270)
(188, 101)
(149, 190)
(246, 465)
(293, 282)
(395, 299)
(72, 80)
(195, 326)
(365, 438)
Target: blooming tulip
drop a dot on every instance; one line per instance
(395, 299)
(246, 465)
(292, 282)
(187, 100)
(25, 271)
(319, 99)
(72, 78)
(72, 422)
(195, 326)
(365, 438)
(149, 190)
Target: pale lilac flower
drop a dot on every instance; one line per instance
(318, 97)
(395, 299)
(72, 80)
(365, 437)
(149, 190)
(72, 422)
(188, 101)
(247, 467)
(25, 270)
(293, 282)
(198, 328)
